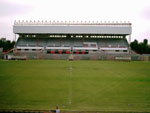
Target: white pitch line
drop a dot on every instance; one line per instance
(70, 89)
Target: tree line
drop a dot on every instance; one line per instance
(6, 44)
(140, 48)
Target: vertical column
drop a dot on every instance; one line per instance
(15, 37)
(83, 36)
(60, 41)
(129, 39)
(129, 44)
(14, 48)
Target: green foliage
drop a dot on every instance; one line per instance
(141, 48)
(6, 44)
(96, 85)
(145, 41)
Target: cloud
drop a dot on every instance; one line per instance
(145, 14)
(11, 9)
(86, 10)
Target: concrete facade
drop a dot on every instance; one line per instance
(115, 28)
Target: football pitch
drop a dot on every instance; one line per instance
(75, 85)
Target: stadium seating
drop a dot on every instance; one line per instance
(104, 45)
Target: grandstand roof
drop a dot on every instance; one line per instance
(71, 28)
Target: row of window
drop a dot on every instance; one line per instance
(76, 36)
(89, 45)
(66, 52)
(115, 50)
(29, 49)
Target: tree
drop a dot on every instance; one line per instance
(145, 41)
(1, 43)
(134, 45)
(6, 44)
(141, 48)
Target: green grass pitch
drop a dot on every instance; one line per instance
(89, 85)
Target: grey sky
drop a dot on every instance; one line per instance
(12, 9)
(135, 11)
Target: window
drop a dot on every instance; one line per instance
(90, 44)
(93, 45)
(94, 50)
(33, 35)
(85, 45)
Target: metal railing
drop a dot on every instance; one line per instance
(98, 23)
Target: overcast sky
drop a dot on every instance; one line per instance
(135, 11)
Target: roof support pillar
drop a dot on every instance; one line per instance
(129, 44)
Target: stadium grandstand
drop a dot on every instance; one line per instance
(58, 40)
